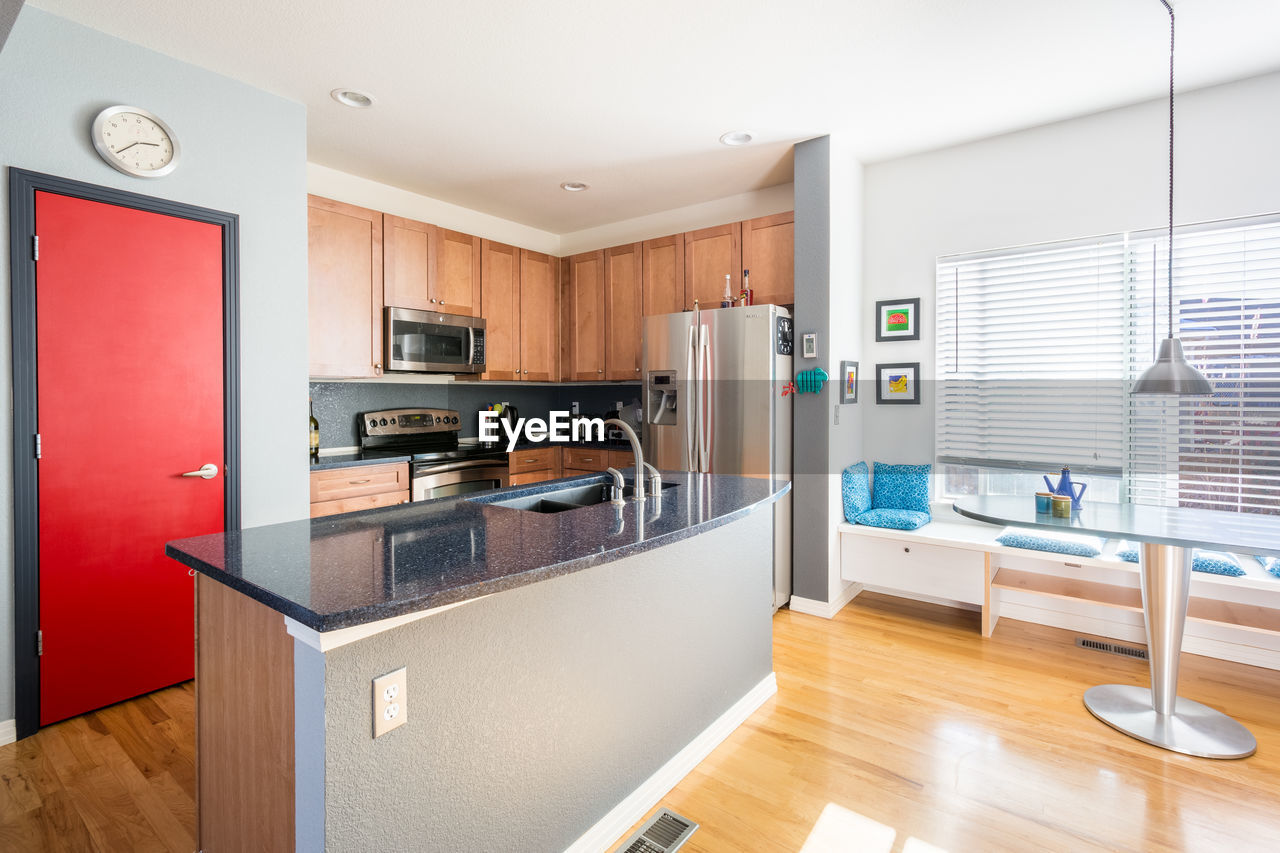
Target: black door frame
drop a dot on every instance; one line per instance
(23, 186)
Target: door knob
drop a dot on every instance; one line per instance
(207, 472)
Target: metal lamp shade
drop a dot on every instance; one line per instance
(1171, 374)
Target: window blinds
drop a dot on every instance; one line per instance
(1220, 452)
(1030, 350)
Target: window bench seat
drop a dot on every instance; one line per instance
(954, 560)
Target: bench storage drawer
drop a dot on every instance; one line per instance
(955, 574)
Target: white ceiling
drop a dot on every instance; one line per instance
(492, 104)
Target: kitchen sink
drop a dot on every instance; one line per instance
(569, 498)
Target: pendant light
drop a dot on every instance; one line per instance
(1171, 374)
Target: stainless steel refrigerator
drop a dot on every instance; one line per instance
(713, 402)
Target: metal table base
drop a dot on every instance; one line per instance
(1158, 716)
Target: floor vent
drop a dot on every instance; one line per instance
(663, 833)
(1113, 648)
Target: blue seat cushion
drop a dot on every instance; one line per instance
(1075, 544)
(1209, 562)
(894, 519)
(855, 491)
(901, 487)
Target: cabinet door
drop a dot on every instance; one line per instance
(500, 296)
(664, 275)
(344, 287)
(408, 263)
(457, 288)
(768, 251)
(622, 306)
(710, 255)
(566, 322)
(539, 317)
(586, 316)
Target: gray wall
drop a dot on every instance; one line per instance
(338, 403)
(534, 712)
(56, 76)
(8, 14)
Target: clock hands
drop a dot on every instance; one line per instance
(131, 144)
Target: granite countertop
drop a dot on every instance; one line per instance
(340, 571)
(353, 460)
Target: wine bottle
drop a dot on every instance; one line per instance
(314, 429)
(748, 296)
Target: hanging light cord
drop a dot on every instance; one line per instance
(1170, 8)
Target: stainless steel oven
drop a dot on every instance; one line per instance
(457, 477)
(427, 342)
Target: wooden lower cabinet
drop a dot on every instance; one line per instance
(585, 460)
(338, 490)
(534, 466)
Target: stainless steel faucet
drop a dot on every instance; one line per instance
(640, 463)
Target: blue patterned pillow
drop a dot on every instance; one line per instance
(1216, 563)
(1209, 562)
(901, 487)
(855, 491)
(1271, 564)
(1074, 544)
(894, 519)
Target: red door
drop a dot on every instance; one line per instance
(129, 370)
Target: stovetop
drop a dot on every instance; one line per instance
(424, 435)
(428, 454)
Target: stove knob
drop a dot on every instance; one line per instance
(437, 419)
(454, 419)
(373, 422)
(383, 422)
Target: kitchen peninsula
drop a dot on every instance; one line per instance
(562, 668)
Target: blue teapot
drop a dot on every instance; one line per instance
(1066, 487)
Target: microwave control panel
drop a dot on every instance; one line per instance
(477, 349)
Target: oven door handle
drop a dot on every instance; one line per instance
(426, 469)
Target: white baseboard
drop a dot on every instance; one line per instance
(825, 609)
(609, 829)
(8, 731)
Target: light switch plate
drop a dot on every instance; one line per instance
(390, 702)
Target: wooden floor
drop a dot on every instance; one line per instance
(118, 779)
(895, 728)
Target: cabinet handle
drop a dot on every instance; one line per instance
(377, 368)
(531, 460)
(358, 482)
(526, 372)
(588, 459)
(599, 371)
(433, 302)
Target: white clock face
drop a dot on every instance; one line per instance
(135, 142)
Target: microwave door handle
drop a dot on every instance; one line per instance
(471, 345)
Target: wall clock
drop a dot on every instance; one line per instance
(135, 142)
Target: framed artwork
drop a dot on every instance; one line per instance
(898, 320)
(848, 382)
(898, 383)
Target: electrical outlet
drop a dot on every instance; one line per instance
(390, 702)
(837, 408)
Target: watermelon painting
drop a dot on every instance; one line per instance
(898, 320)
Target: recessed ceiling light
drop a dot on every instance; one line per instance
(574, 186)
(737, 137)
(352, 98)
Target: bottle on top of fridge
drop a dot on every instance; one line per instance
(727, 301)
(748, 296)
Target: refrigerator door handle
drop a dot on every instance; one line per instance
(691, 387)
(705, 400)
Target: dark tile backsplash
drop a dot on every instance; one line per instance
(338, 403)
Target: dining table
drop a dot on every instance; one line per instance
(1168, 538)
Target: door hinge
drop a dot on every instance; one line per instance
(35, 248)
(39, 643)
(38, 445)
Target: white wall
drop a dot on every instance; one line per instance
(341, 186)
(1094, 175)
(56, 77)
(735, 208)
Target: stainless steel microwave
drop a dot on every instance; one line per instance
(427, 342)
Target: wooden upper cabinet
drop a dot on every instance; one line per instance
(709, 255)
(500, 296)
(664, 275)
(457, 288)
(408, 262)
(768, 251)
(566, 322)
(344, 286)
(623, 286)
(586, 317)
(539, 317)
